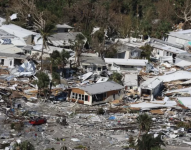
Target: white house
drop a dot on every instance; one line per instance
(120, 65)
(11, 60)
(160, 50)
(180, 37)
(130, 81)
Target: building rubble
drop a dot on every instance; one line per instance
(87, 109)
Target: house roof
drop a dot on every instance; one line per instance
(182, 63)
(179, 75)
(126, 62)
(167, 48)
(185, 56)
(184, 90)
(154, 104)
(12, 49)
(181, 34)
(130, 80)
(3, 55)
(101, 87)
(64, 36)
(91, 60)
(153, 40)
(64, 26)
(60, 39)
(48, 50)
(186, 101)
(17, 30)
(4, 34)
(124, 48)
(151, 83)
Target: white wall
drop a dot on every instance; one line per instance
(8, 62)
(176, 40)
(127, 54)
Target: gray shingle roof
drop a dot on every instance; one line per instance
(102, 87)
(91, 60)
(13, 55)
(64, 36)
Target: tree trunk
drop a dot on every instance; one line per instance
(42, 55)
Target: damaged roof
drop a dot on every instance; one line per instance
(179, 75)
(91, 60)
(101, 87)
(2, 55)
(128, 62)
(130, 80)
(151, 83)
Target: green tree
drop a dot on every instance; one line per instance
(43, 80)
(144, 122)
(78, 45)
(148, 142)
(25, 145)
(58, 60)
(117, 77)
(64, 56)
(45, 30)
(146, 53)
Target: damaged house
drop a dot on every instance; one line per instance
(128, 52)
(130, 81)
(120, 65)
(151, 88)
(92, 63)
(96, 93)
(11, 60)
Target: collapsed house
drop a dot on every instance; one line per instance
(151, 88)
(96, 93)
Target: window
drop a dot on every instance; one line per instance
(86, 97)
(80, 96)
(76, 96)
(11, 63)
(85, 67)
(83, 97)
(73, 95)
(104, 68)
(99, 68)
(2, 61)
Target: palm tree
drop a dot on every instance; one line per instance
(148, 142)
(78, 45)
(43, 81)
(144, 122)
(46, 30)
(64, 56)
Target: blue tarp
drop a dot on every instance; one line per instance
(112, 118)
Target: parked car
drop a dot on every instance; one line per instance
(59, 97)
(37, 121)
